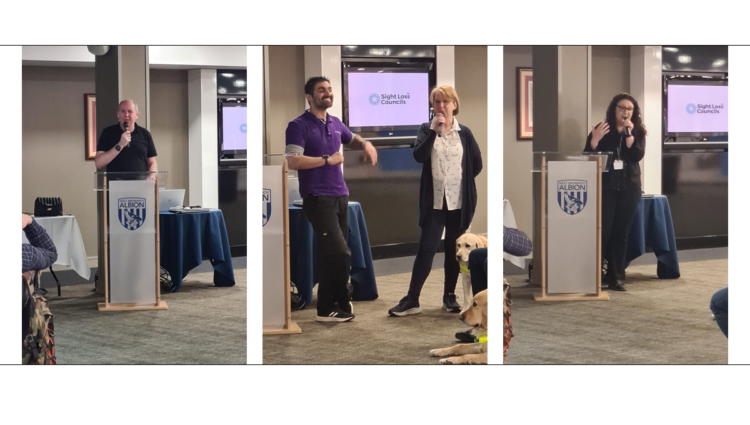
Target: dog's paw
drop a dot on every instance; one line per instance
(437, 352)
(451, 360)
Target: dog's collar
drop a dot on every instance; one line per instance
(482, 339)
(463, 268)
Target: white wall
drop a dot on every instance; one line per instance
(159, 56)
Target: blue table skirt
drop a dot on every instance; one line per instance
(652, 227)
(303, 249)
(188, 238)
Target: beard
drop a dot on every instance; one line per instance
(322, 103)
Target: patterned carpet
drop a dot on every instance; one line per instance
(654, 322)
(204, 325)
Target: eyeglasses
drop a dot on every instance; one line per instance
(622, 108)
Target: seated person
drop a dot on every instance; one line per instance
(515, 242)
(720, 308)
(40, 252)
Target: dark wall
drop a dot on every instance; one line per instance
(695, 179)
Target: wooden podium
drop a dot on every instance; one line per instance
(571, 205)
(277, 310)
(131, 240)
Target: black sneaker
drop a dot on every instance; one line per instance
(466, 336)
(405, 307)
(348, 308)
(450, 303)
(337, 315)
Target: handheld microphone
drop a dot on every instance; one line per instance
(628, 133)
(127, 128)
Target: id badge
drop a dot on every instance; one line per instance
(617, 164)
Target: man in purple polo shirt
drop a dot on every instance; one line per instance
(317, 138)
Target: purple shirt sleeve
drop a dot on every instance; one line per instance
(295, 134)
(346, 135)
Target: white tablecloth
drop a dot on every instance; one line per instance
(510, 221)
(66, 235)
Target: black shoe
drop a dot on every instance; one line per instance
(616, 285)
(405, 307)
(450, 303)
(466, 336)
(337, 315)
(347, 308)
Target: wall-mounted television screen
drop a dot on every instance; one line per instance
(697, 108)
(382, 98)
(232, 127)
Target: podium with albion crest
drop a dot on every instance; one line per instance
(571, 225)
(131, 240)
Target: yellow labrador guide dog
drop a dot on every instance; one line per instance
(464, 245)
(475, 316)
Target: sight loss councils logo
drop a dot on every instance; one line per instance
(374, 99)
(572, 195)
(131, 212)
(243, 128)
(690, 108)
(266, 206)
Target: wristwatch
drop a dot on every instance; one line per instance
(326, 158)
(117, 148)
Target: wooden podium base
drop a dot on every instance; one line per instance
(132, 306)
(293, 328)
(539, 296)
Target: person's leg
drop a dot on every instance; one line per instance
(429, 242)
(609, 205)
(334, 252)
(453, 231)
(627, 206)
(341, 281)
(478, 269)
(720, 309)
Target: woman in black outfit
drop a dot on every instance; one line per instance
(450, 159)
(624, 135)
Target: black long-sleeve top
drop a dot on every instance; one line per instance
(471, 164)
(630, 176)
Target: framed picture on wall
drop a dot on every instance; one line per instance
(89, 110)
(524, 104)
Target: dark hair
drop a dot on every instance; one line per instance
(639, 130)
(312, 82)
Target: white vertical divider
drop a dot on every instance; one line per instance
(255, 186)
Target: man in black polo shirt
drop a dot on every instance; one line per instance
(126, 146)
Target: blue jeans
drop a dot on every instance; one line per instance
(720, 308)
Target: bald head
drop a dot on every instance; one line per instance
(128, 112)
(129, 103)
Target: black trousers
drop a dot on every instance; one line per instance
(429, 242)
(618, 211)
(478, 269)
(329, 217)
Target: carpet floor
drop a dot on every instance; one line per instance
(654, 322)
(372, 337)
(204, 325)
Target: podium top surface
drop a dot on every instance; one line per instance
(540, 157)
(101, 178)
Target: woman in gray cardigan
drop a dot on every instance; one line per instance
(450, 159)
